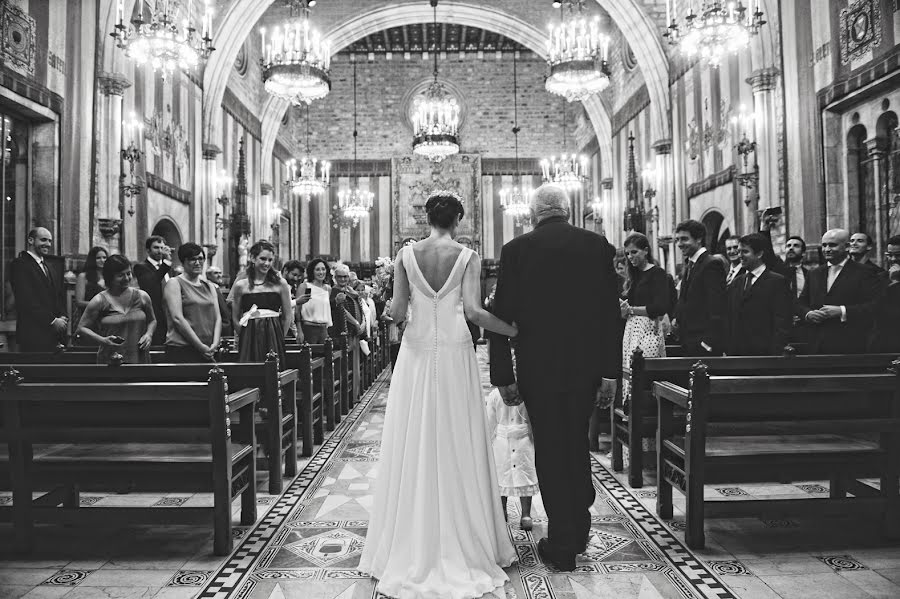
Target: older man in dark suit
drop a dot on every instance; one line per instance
(566, 358)
(839, 299)
(38, 288)
(700, 313)
(152, 275)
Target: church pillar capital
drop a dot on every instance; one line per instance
(764, 80)
(113, 84)
(210, 151)
(663, 146)
(265, 189)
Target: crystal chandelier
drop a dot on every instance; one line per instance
(309, 176)
(577, 54)
(515, 199)
(436, 116)
(296, 60)
(165, 41)
(569, 170)
(713, 29)
(355, 203)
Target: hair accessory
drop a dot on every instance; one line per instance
(445, 192)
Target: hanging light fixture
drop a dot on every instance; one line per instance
(568, 170)
(296, 60)
(309, 176)
(713, 29)
(577, 54)
(515, 199)
(354, 203)
(164, 41)
(436, 117)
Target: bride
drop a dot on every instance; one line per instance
(437, 528)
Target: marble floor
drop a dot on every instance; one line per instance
(307, 543)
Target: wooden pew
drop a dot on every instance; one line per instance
(842, 427)
(151, 437)
(310, 396)
(334, 379)
(640, 422)
(277, 429)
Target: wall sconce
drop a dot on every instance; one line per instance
(275, 214)
(649, 177)
(745, 146)
(222, 184)
(132, 129)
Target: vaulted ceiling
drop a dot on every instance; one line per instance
(424, 37)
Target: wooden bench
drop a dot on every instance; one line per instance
(336, 373)
(150, 437)
(640, 421)
(277, 429)
(842, 427)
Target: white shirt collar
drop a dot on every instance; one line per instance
(840, 264)
(37, 258)
(697, 255)
(758, 271)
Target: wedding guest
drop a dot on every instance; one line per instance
(313, 297)
(90, 281)
(262, 306)
(214, 276)
(292, 272)
(345, 312)
(620, 263)
(194, 323)
(37, 284)
(120, 319)
(152, 275)
(733, 253)
(860, 248)
(513, 448)
(886, 332)
(700, 313)
(794, 251)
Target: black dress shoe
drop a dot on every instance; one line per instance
(563, 561)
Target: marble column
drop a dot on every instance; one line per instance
(209, 202)
(109, 133)
(665, 203)
(877, 152)
(763, 82)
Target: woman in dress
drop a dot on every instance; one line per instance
(89, 283)
(119, 319)
(437, 528)
(262, 307)
(313, 297)
(192, 310)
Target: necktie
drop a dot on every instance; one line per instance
(687, 270)
(748, 283)
(45, 269)
(833, 271)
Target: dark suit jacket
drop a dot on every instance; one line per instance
(225, 310)
(759, 320)
(857, 287)
(701, 307)
(38, 301)
(152, 280)
(886, 332)
(563, 343)
(739, 273)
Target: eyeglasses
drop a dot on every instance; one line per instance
(892, 255)
(196, 259)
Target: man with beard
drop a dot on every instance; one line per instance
(37, 284)
(860, 247)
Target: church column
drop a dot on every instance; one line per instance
(876, 155)
(665, 203)
(763, 83)
(210, 208)
(109, 194)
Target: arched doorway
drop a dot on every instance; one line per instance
(168, 230)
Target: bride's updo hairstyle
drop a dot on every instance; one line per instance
(442, 209)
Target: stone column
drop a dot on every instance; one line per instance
(763, 82)
(109, 135)
(877, 153)
(208, 202)
(608, 212)
(665, 203)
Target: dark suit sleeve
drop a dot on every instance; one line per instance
(26, 294)
(610, 345)
(802, 305)
(714, 287)
(872, 288)
(659, 293)
(502, 373)
(782, 314)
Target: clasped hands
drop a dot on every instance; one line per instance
(824, 313)
(605, 394)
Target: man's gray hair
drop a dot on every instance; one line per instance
(340, 268)
(549, 200)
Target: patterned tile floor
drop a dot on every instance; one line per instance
(307, 544)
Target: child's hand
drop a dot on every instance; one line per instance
(510, 395)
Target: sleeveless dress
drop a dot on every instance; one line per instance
(437, 528)
(130, 325)
(260, 335)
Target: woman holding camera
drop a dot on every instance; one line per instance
(119, 319)
(313, 297)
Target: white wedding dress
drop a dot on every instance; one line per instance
(437, 529)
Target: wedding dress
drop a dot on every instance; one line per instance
(437, 529)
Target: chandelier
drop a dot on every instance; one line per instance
(515, 200)
(436, 116)
(296, 60)
(569, 170)
(164, 41)
(309, 176)
(354, 203)
(577, 54)
(715, 30)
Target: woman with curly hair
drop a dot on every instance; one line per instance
(313, 296)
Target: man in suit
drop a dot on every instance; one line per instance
(860, 249)
(797, 276)
(839, 299)
(152, 275)
(214, 276)
(733, 253)
(700, 313)
(38, 288)
(886, 332)
(759, 305)
(566, 359)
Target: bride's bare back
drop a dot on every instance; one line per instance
(436, 258)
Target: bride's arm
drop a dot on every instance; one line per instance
(400, 300)
(472, 302)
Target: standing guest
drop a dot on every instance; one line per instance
(860, 247)
(315, 303)
(886, 332)
(344, 314)
(759, 305)
(733, 253)
(292, 272)
(794, 251)
(839, 299)
(194, 323)
(152, 275)
(90, 281)
(620, 263)
(121, 318)
(700, 313)
(214, 276)
(38, 289)
(368, 307)
(262, 306)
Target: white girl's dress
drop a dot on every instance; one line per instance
(437, 529)
(513, 447)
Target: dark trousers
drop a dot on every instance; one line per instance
(182, 354)
(314, 334)
(559, 420)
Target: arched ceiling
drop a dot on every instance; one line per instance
(421, 37)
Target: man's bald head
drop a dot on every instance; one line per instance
(835, 245)
(549, 200)
(40, 241)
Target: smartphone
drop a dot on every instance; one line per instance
(308, 292)
(117, 339)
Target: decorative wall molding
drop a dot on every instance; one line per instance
(168, 189)
(869, 81)
(635, 104)
(361, 168)
(243, 115)
(711, 182)
(507, 166)
(31, 90)
(860, 29)
(17, 37)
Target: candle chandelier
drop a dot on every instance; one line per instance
(568, 170)
(354, 203)
(436, 116)
(578, 53)
(309, 176)
(515, 200)
(167, 39)
(713, 29)
(296, 60)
